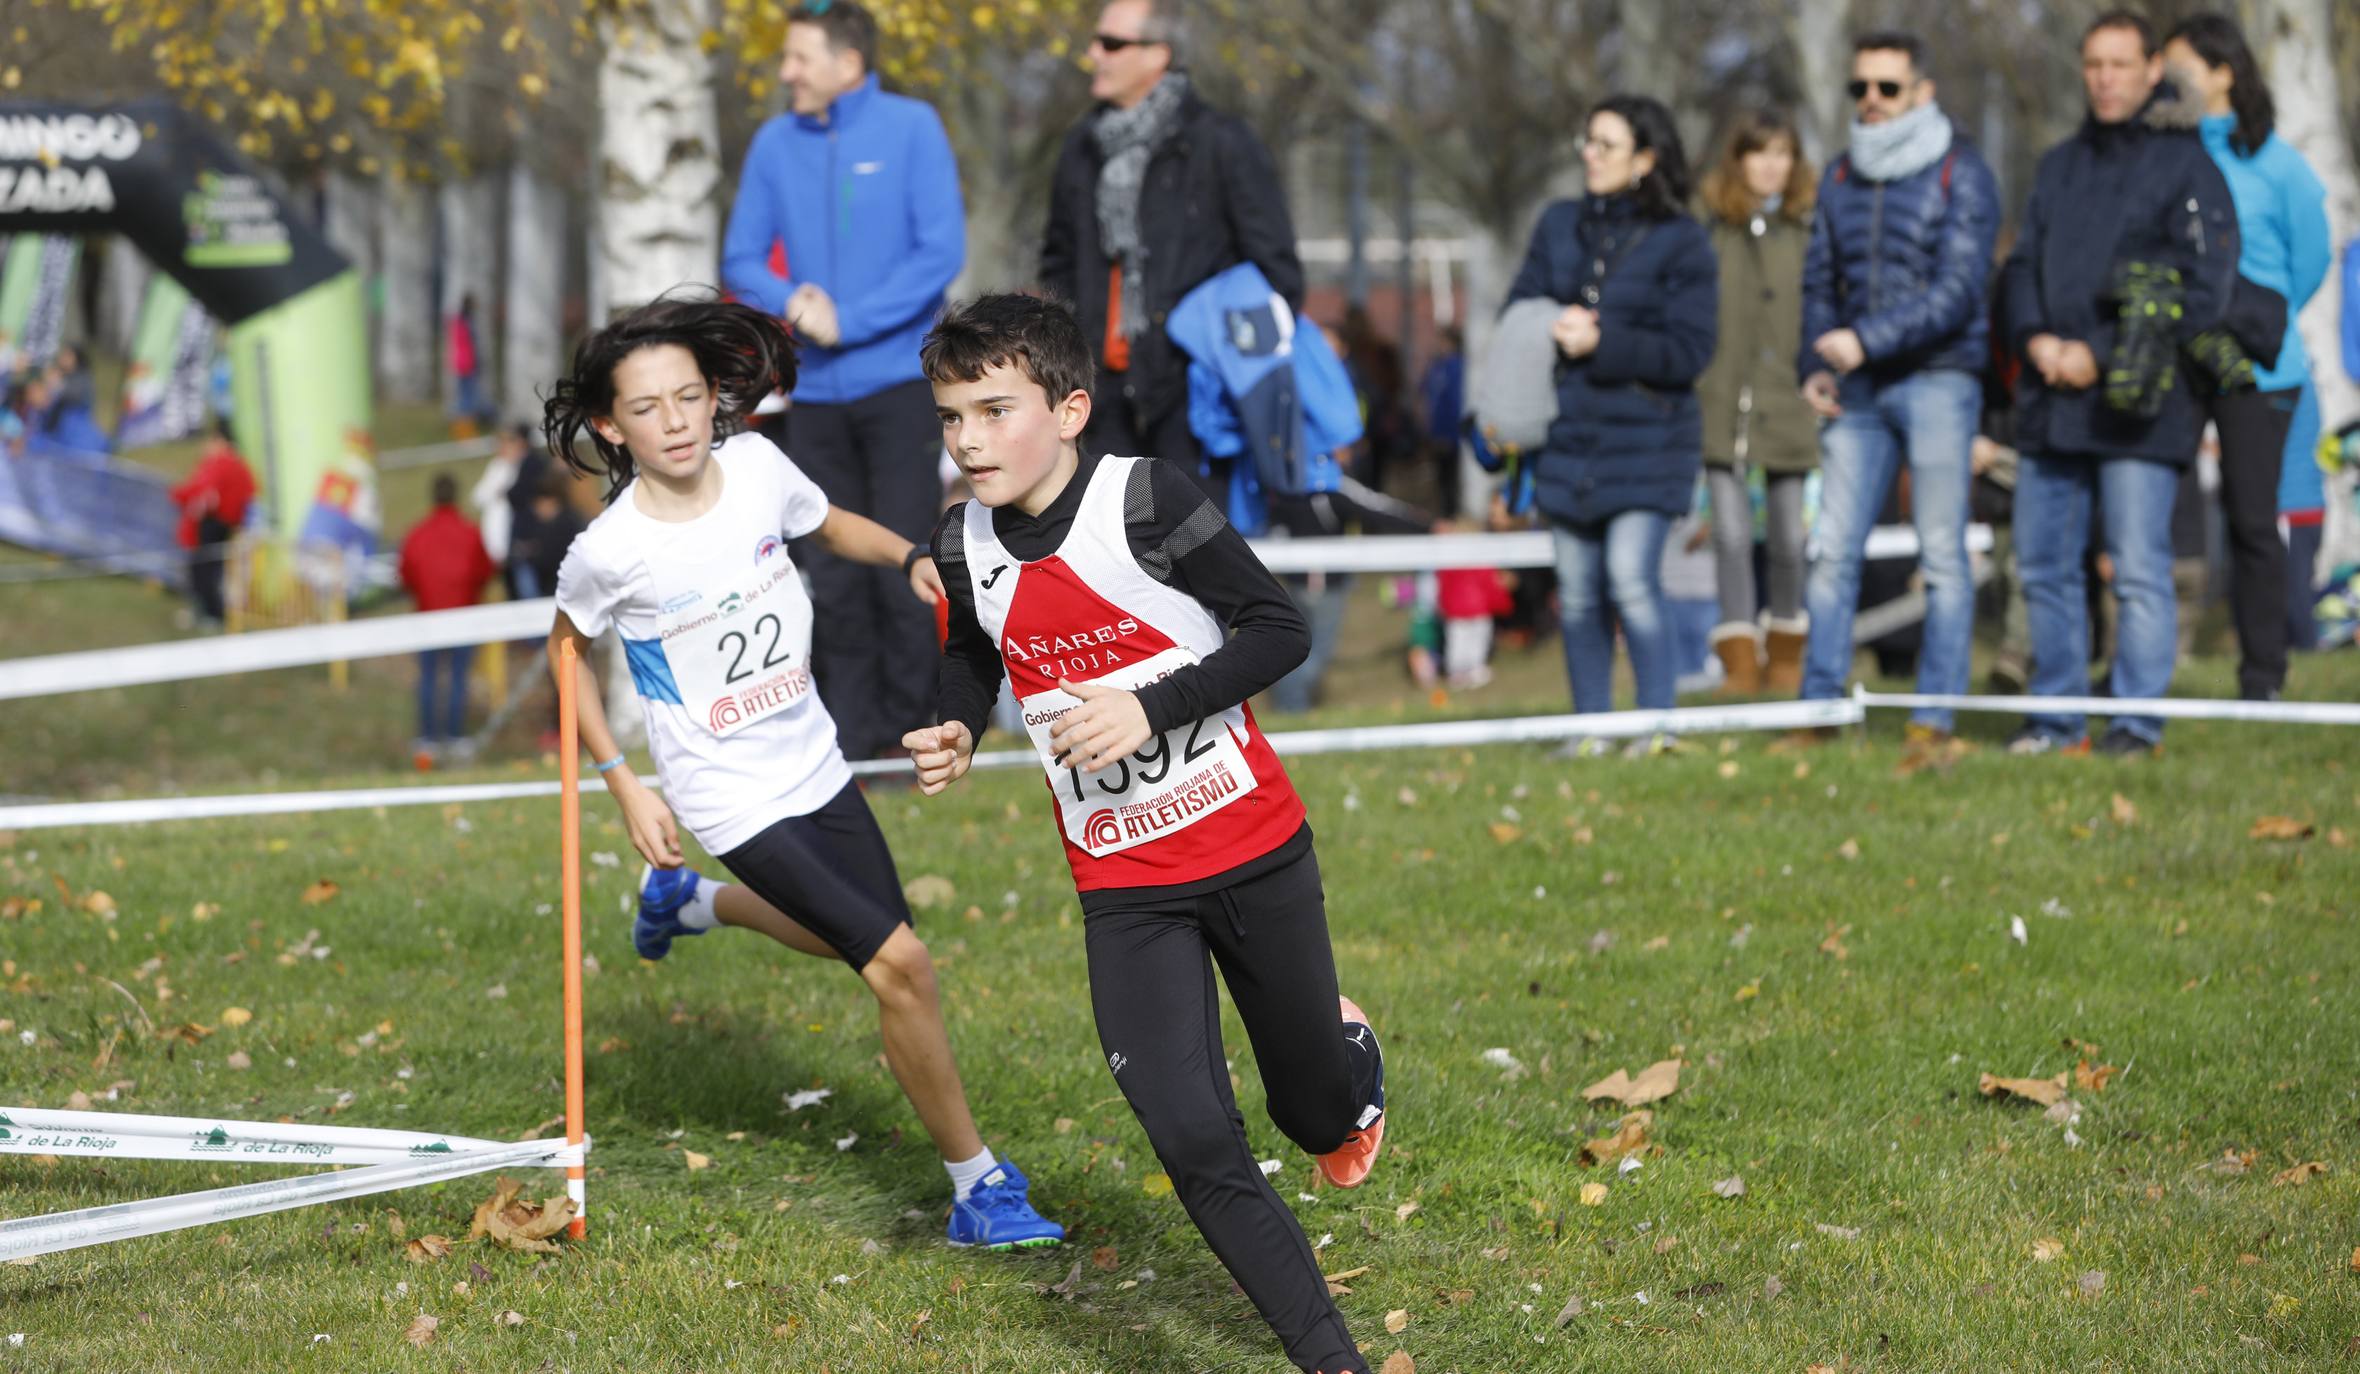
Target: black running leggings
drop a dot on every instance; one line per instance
(1159, 1021)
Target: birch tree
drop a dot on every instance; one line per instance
(658, 179)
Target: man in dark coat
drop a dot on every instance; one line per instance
(2132, 194)
(1155, 192)
(1894, 338)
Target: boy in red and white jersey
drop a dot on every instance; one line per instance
(1133, 623)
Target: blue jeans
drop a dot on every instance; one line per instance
(1323, 610)
(2134, 497)
(1620, 563)
(452, 663)
(1926, 419)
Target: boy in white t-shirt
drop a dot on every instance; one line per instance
(689, 566)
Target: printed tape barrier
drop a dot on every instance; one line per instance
(2162, 708)
(1782, 715)
(29, 1236)
(124, 1135)
(385, 636)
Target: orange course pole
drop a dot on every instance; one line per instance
(569, 848)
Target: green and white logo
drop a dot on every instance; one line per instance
(440, 1147)
(215, 1141)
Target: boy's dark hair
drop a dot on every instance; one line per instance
(1036, 335)
(2124, 19)
(445, 489)
(1663, 193)
(846, 24)
(222, 430)
(743, 352)
(1907, 44)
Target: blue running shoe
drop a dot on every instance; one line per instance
(662, 892)
(998, 1216)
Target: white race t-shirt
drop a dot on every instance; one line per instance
(714, 617)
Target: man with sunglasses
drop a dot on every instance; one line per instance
(1154, 193)
(1894, 339)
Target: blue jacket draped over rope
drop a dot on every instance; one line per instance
(1262, 389)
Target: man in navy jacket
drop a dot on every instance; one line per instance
(2133, 184)
(861, 192)
(1894, 340)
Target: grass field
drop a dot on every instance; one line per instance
(1826, 945)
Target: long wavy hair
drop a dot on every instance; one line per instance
(744, 353)
(1725, 194)
(2220, 43)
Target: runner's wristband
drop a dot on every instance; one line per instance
(910, 560)
(610, 765)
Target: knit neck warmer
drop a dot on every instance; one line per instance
(1901, 147)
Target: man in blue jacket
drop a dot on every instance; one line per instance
(861, 192)
(2132, 186)
(1894, 341)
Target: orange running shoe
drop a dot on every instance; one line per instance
(1347, 1165)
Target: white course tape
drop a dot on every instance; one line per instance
(1784, 715)
(2169, 708)
(124, 1135)
(505, 621)
(29, 1236)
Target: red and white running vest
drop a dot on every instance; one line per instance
(1193, 803)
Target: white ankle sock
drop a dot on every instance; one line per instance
(697, 912)
(965, 1174)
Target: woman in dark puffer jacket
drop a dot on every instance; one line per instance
(1638, 282)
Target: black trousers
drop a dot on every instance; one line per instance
(873, 646)
(1115, 427)
(1159, 1021)
(2253, 427)
(205, 567)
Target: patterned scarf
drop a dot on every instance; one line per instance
(1127, 139)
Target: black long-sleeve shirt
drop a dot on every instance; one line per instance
(1181, 540)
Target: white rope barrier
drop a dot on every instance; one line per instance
(26, 1237)
(126, 1135)
(2166, 708)
(504, 621)
(1783, 715)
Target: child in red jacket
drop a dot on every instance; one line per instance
(443, 567)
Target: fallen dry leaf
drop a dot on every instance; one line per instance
(1399, 1362)
(1405, 1211)
(2356, 1259)
(2047, 1248)
(1654, 1083)
(1732, 1186)
(929, 890)
(426, 1249)
(2124, 812)
(2299, 1175)
(509, 1318)
(325, 890)
(1665, 1245)
(1104, 1258)
(2046, 1091)
(99, 904)
(1628, 1138)
(1572, 1308)
(695, 1161)
(2280, 828)
(520, 1225)
(1848, 850)
(1834, 943)
(1396, 1321)
(240, 1060)
(1593, 1195)
(2092, 1283)
(2093, 1080)
(235, 1016)
(1839, 1232)
(1506, 833)
(1340, 1285)
(1065, 1125)
(421, 1330)
(2231, 1163)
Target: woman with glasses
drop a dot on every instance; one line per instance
(1637, 282)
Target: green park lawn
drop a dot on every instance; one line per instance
(1826, 945)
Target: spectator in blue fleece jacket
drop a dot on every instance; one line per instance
(860, 191)
(2283, 248)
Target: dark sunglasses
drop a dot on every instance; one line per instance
(1890, 90)
(1108, 42)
